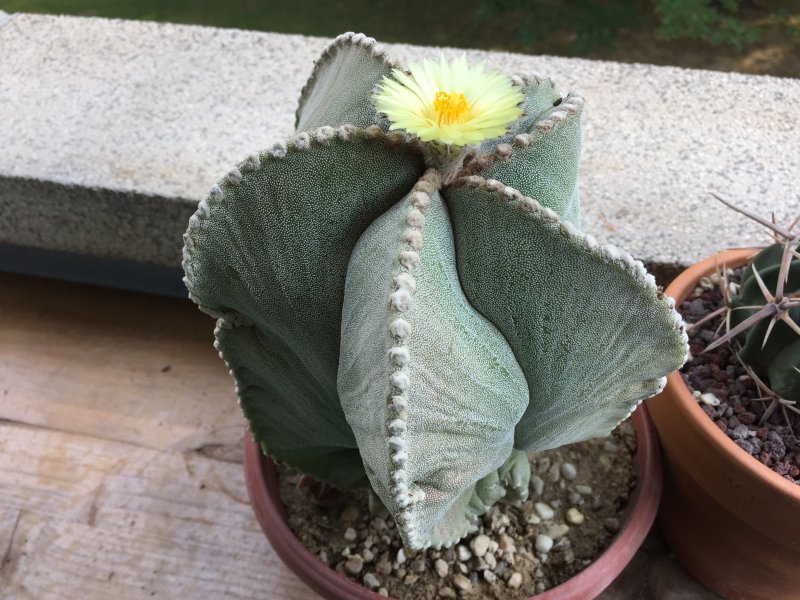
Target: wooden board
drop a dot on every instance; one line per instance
(120, 452)
(120, 459)
(114, 365)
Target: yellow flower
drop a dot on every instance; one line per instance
(451, 103)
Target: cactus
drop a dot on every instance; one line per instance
(403, 314)
(763, 315)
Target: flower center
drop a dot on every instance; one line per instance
(450, 108)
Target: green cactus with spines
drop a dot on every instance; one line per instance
(774, 356)
(408, 317)
(763, 314)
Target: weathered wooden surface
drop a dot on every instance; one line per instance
(120, 458)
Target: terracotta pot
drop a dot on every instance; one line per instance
(732, 522)
(262, 485)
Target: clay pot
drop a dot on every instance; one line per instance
(732, 522)
(262, 485)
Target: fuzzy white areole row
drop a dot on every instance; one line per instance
(400, 302)
(571, 106)
(301, 142)
(216, 196)
(348, 40)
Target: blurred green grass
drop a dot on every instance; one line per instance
(445, 22)
(622, 30)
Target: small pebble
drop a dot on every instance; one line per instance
(611, 524)
(610, 446)
(543, 544)
(533, 519)
(383, 592)
(371, 581)
(491, 561)
(401, 557)
(584, 490)
(539, 587)
(568, 471)
(378, 524)
(441, 568)
(367, 555)
(463, 554)
(418, 565)
(410, 579)
(462, 583)
(557, 531)
(447, 592)
(350, 534)
(350, 514)
(740, 432)
(489, 576)
(574, 516)
(384, 566)
(544, 511)
(515, 581)
(709, 399)
(480, 544)
(354, 564)
(538, 485)
(462, 567)
(506, 544)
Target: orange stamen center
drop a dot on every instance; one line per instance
(450, 108)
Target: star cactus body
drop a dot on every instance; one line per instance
(414, 316)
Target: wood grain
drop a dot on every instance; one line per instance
(120, 478)
(114, 365)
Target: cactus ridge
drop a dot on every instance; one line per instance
(399, 356)
(458, 393)
(367, 50)
(572, 106)
(540, 155)
(236, 326)
(538, 428)
(608, 252)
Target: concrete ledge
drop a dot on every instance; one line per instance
(112, 131)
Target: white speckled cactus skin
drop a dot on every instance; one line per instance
(416, 327)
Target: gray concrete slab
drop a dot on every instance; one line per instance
(111, 131)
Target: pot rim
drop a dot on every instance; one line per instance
(679, 290)
(637, 519)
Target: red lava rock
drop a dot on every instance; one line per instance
(761, 433)
(722, 424)
(765, 459)
(747, 418)
(794, 471)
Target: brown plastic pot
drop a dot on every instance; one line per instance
(262, 485)
(732, 522)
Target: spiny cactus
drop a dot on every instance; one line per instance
(763, 313)
(415, 315)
